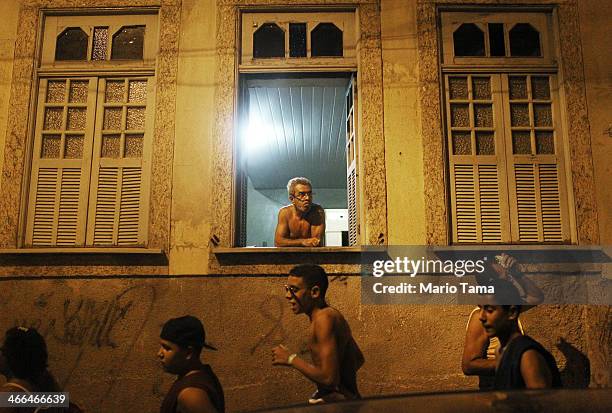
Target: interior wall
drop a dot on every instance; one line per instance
(262, 215)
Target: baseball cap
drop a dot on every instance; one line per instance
(185, 331)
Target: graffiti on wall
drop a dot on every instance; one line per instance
(82, 324)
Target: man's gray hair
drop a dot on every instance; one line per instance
(300, 180)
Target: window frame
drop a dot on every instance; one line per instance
(542, 21)
(98, 71)
(502, 68)
(347, 64)
(345, 20)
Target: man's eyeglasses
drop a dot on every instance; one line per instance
(303, 195)
(291, 289)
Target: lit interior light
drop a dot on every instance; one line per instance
(257, 134)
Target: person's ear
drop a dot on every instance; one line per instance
(513, 312)
(189, 352)
(315, 291)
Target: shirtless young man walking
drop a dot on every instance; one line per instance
(336, 357)
(301, 224)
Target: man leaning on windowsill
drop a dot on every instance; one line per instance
(301, 224)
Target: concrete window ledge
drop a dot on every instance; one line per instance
(532, 254)
(80, 257)
(266, 261)
(288, 255)
(109, 250)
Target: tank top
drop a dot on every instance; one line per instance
(488, 382)
(204, 379)
(508, 374)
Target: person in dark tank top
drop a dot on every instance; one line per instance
(196, 389)
(522, 362)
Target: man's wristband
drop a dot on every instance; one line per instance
(290, 359)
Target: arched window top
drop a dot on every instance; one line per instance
(128, 43)
(269, 41)
(468, 40)
(524, 41)
(71, 44)
(326, 40)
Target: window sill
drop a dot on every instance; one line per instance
(273, 260)
(61, 250)
(63, 258)
(532, 253)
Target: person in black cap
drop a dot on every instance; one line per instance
(197, 388)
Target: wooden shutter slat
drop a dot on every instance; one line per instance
(526, 200)
(106, 205)
(465, 199)
(129, 207)
(490, 214)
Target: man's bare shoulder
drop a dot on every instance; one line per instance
(328, 314)
(285, 211)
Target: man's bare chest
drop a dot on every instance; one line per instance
(299, 228)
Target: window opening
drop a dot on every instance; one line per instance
(71, 44)
(297, 39)
(269, 41)
(128, 43)
(293, 125)
(468, 40)
(524, 41)
(496, 39)
(326, 40)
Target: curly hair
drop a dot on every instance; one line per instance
(25, 352)
(293, 182)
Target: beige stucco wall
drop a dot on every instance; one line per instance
(596, 33)
(403, 139)
(103, 338)
(195, 114)
(8, 31)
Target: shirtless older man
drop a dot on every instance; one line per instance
(336, 357)
(301, 224)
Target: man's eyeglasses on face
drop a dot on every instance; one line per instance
(291, 289)
(303, 195)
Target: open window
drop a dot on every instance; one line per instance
(296, 125)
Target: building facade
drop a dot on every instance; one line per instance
(145, 146)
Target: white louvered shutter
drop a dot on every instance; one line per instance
(118, 205)
(351, 163)
(476, 154)
(536, 168)
(61, 162)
